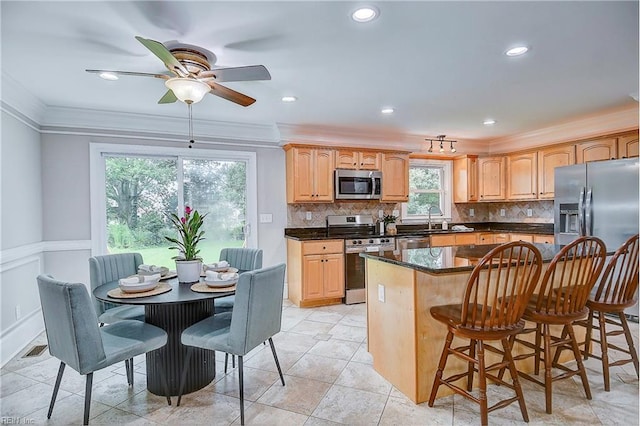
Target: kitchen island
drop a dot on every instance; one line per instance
(403, 339)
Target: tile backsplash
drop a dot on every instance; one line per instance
(542, 212)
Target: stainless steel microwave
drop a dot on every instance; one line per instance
(357, 184)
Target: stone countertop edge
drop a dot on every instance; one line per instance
(548, 251)
(309, 234)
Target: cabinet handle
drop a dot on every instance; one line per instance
(324, 248)
(355, 164)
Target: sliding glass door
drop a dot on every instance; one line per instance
(140, 190)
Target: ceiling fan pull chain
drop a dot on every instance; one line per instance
(191, 141)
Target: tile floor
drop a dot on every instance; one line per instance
(329, 380)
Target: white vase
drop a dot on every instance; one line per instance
(188, 270)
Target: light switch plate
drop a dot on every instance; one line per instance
(309, 215)
(381, 293)
(472, 212)
(266, 218)
(529, 212)
(380, 214)
(502, 212)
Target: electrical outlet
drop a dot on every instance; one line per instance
(380, 214)
(472, 212)
(502, 212)
(529, 212)
(266, 218)
(396, 213)
(309, 216)
(381, 293)
(18, 312)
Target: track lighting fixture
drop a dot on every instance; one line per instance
(442, 140)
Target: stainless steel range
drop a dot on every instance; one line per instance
(358, 232)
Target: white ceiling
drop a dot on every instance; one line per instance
(441, 65)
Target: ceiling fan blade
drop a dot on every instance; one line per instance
(248, 73)
(229, 94)
(137, 74)
(168, 98)
(165, 56)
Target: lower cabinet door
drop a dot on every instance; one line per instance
(334, 275)
(312, 279)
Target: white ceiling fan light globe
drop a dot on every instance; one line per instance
(188, 90)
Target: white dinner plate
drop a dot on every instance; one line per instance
(138, 288)
(221, 283)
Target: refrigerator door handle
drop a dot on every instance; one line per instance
(588, 213)
(581, 224)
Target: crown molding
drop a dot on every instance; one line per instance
(20, 101)
(116, 122)
(615, 120)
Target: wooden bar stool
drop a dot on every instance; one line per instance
(616, 292)
(494, 301)
(561, 300)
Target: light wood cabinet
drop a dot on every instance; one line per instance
(309, 175)
(521, 237)
(465, 179)
(628, 145)
(315, 272)
(548, 160)
(486, 238)
(395, 177)
(522, 176)
(461, 239)
(601, 149)
(357, 160)
(491, 178)
(543, 239)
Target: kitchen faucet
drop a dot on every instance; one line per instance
(429, 212)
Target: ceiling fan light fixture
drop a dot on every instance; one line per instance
(188, 90)
(365, 14)
(108, 76)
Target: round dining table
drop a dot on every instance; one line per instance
(174, 311)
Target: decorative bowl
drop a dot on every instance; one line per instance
(139, 283)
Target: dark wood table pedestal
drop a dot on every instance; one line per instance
(175, 318)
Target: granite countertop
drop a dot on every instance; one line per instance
(446, 260)
(304, 234)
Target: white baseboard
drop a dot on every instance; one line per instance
(13, 339)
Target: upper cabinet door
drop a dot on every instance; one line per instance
(324, 175)
(346, 159)
(522, 176)
(465, 179)
(548, 160)
(628, 145)
(303, 176)
(357, 160)
(369, 160)
(603, 149)
(491, 178)
(395, 177)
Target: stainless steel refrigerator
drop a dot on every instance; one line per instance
(600, 199)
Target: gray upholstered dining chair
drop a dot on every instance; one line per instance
(256, 317)
(244, 259)
(74, 337)
(110, 268)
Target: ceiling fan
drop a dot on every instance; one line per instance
(192, 76)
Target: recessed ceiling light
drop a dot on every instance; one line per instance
(489, 122)
(387, 110)
(365, 14)
(289, 99)
(517, 51)
(108, 76)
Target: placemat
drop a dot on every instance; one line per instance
(116, 293)
(204, 288)
(170, 274)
